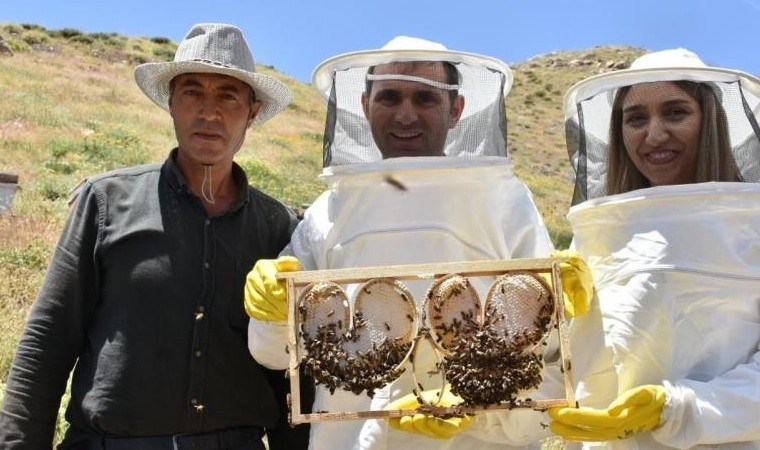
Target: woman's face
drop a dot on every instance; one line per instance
(661, 131)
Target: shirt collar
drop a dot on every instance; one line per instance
(178, 182)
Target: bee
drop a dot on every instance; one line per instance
(395, 182)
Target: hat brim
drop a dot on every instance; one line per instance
(153, 79)
(609, 81)
(323, 73)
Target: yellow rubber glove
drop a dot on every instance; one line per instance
(577, 284)
(426, 424)
(266, 298)
(635, 411)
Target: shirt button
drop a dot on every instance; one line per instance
(198, 316)
(193, 401)
(208, 222)
(206, 265)
(197, 353)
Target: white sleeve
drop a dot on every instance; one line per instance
(724, 409)
(267, 343)
(528, 237)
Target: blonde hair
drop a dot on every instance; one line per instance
(715, 161)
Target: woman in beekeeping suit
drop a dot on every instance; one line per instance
(666, 213)
(417, 171)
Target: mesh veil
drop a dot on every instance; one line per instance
(480, 131)
(588, 109)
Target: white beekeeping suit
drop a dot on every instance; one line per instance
(676, 268)
(467, 205)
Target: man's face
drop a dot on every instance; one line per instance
(211, 113)
(409, 118)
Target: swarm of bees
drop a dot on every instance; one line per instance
(495, 356)
(361, 354)
(492, 352)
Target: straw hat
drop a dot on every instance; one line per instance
(665, 65)
(219, 49)
(400, 49)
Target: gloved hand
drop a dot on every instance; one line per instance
(426, 424)
(636, 410)
(577, 284)
(266, 298)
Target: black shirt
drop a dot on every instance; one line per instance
(145, 294)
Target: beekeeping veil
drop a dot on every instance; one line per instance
(588, 109)
(482, 82)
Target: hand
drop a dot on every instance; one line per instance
(266, 298)
(577, 284)
(636, 410)
(427, 424)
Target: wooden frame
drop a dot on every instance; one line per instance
(296, 280)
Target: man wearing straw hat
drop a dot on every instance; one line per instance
(143, 293)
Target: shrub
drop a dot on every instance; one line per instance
(68, 32)
(160, 40)
(82, 39)
(106, 38)
(164, 53)
(17, 45)
(32, 26)
(35, 37)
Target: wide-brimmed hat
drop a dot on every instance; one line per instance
(400, 49)
(214, 48)
(666, 65)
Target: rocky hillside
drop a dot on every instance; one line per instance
(67, 91)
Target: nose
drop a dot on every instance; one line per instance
(209, 108)
(406, 113)
(657, 132)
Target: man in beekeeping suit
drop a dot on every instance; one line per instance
(417, 171)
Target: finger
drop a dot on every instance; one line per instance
(280, 304)
(630, 399)
(575, 415)
(404, 403)
(443, 429)
(261, 312)
(419, 422)
(406, 423)
(288, 264)
(394, 422)
(572, 433)
(268, 279)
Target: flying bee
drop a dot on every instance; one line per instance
(395, 182)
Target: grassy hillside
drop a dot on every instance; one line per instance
(71, 108)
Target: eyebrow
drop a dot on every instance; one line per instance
(394, 90)
(638, 106)
(192, 82)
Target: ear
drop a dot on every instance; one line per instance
(456, 111)
(255, 109)
(365, 105)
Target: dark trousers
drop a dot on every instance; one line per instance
(245, 438)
